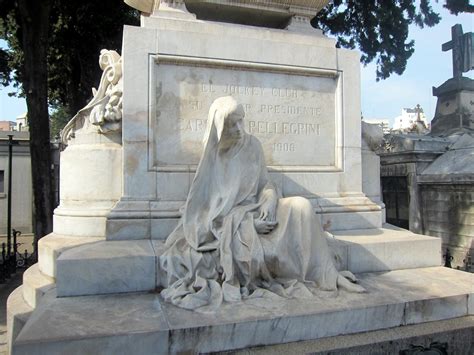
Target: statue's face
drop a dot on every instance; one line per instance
(234, 126)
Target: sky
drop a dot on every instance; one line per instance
(427, 67)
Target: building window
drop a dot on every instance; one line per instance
(2, 181)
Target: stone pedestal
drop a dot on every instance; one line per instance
(142, 323)
(302, 100)
(455, 107)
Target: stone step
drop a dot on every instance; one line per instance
(457, 334)
(35, 285)
(52, 245)
(141, 323)
(18, 313)
(131, 265)
(384, 249)
(106, 267)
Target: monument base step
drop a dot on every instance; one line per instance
(53, 245)
(141, 323)
(384, 249)
(457, 335)
(35, 285)
(103, 267)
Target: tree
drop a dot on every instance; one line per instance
(90, 26)
(54, 46)
(4, 69)
(379, 28)
(30, 33)
(59, 117)
(457, 6)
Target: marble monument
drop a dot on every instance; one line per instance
(133, 158)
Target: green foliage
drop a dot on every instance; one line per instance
(4, 68)
(78, 31)
(11, 59)
(379, 28)
(457, 6)
(59, 117)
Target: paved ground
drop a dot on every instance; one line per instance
(5, 290)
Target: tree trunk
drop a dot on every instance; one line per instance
(34, 16)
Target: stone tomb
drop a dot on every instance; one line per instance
(438, 167)
(131, 156)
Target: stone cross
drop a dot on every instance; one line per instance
(418, 111)
(462, 47)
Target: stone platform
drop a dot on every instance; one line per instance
(88, 266)
(458, 333)
(140, 323)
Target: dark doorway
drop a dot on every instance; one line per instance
(396, 199)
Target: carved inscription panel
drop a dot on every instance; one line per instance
(293, 115)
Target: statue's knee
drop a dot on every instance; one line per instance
(301, 204)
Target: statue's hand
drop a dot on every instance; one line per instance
(264, 227)
(268, 206)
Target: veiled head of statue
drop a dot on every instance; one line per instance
(225, 120)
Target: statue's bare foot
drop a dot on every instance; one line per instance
(348, 275)
(345, 284)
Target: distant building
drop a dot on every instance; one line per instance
(22, 195)
(22, 123)
(7, 125)
(382, 122)
(410, 119)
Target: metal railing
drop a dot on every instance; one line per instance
(11, 260)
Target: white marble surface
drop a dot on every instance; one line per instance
(371, 174)
(103, 113)
(91, 172)
(106, 267)
(456, 332)
(128, 229)
(97, 323)
(296, 120)
(373, 250)
(118, 324)
(152, 174)
(347, 220)
(388, 248)
(18, 313)
(35, 285)
(80, 226)
(91, 165)
(52, 245)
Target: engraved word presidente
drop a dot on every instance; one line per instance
(278, 109)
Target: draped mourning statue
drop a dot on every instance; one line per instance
(237, 239)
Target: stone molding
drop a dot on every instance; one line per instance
(291, 7)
